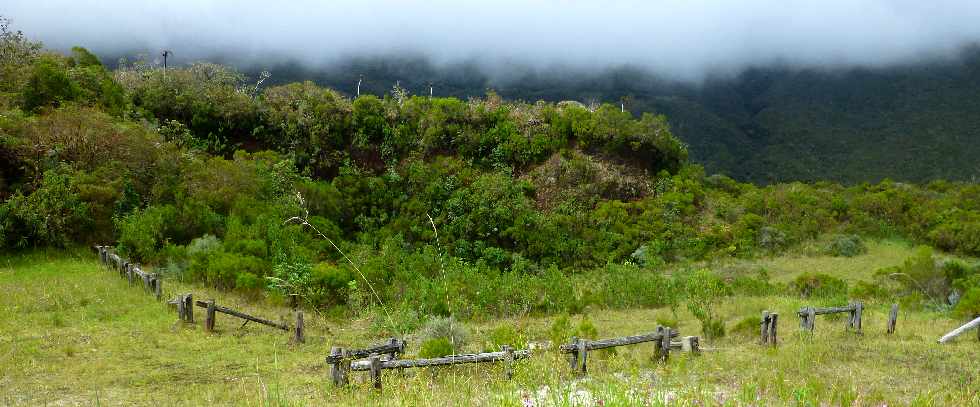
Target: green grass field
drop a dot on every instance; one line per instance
(72, 333)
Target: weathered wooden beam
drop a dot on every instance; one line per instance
(664, 343)
(157, 286)
(827, 310)
(621, 341)
(364, 365)
(956, 332)
(892, 318)
(242, 315)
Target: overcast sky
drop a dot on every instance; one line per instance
(683, 39)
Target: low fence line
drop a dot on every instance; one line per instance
(340, 358)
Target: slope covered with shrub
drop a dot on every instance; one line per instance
(513, 207)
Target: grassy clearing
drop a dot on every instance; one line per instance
(74, 334)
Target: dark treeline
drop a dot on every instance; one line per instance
(513, 207)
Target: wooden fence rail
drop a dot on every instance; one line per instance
(855, 309)
(579, 348)
(213, 308)
(375, 365)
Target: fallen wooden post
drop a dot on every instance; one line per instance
(229, 311)
(808, 315)
(892, 318)
(966, 327)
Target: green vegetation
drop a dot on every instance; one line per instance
(77, 334)
(434, 218)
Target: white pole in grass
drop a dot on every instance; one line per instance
(969, 325)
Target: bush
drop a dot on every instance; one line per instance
(821, 285)
(748, 326)
(436, 348)
(969, 304)
(143, 232)
(704, 291)
(445, 328)
(51, 216)
(505, 335)
(845, 246)
(560, 331)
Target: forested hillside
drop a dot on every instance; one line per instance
(211, 176)
(916, 122)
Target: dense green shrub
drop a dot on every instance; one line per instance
(53, 214)
(845, 246)
(969, 304)
(704, 290)
(436, 348)
(809, 285)
(447, 329)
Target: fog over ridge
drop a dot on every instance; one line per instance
(674, 38)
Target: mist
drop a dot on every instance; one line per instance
(677, 39)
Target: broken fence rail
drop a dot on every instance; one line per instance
(185, 312)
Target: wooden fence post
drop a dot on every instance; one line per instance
(858, 311)
(811, 317)
(157, 288)
(765, 327)
(665, 344)
(376, 371)
(583, 355)
(508, 361)
(692, 343)
(129, 273)
(773, 322)
(892, 318)
(180, 307)
(209, 318)
(394, 353)
(298, 335)
(338, 369)
(573, 357)
(189, 307)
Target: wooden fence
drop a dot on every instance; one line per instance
(855, 309)
(340, 358)
(579, 348)
(151, 282)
